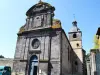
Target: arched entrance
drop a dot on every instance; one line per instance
(33, 65)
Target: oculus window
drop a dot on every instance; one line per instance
(35, 43)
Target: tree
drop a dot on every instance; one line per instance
(2, 56)
(96, 42)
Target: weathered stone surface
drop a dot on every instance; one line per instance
(18, 48)
(6, 62)
(66, 59)
(43, 68)
(46, 55)
(16, 66)
(23, 48)
(56, 68)
(26, 49)
(55, 47)
(42, 47)
(52, 54)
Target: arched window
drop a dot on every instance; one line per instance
(76, 63)
(76, 66)
(33, 65)
(74, 35)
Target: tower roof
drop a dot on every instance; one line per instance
(98, 31)
(74, 28)
(39, 7)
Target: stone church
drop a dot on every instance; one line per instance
(44, 49)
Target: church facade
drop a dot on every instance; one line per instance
(43, 48)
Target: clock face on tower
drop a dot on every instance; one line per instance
(37, 21)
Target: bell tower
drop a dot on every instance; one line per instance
(75, 38)
(75, 35)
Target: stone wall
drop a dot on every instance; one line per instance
(55, 53)
(66, 55)
(9, 62)
(98, 63)
(6, 62)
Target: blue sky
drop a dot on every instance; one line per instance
(12, 17)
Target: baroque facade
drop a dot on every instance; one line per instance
(42, 46)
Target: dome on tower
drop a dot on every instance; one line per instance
(74, 28)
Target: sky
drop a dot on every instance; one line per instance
(13, 16)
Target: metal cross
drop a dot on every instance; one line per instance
(40, 1)
(74, 16)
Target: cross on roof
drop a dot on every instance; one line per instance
(74, 16)
(40, 1)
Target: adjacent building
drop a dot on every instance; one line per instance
(98, 37)
(93, 62)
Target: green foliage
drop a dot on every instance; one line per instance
(96, 42)
(2, 56)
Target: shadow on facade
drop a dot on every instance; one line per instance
(78, 66)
